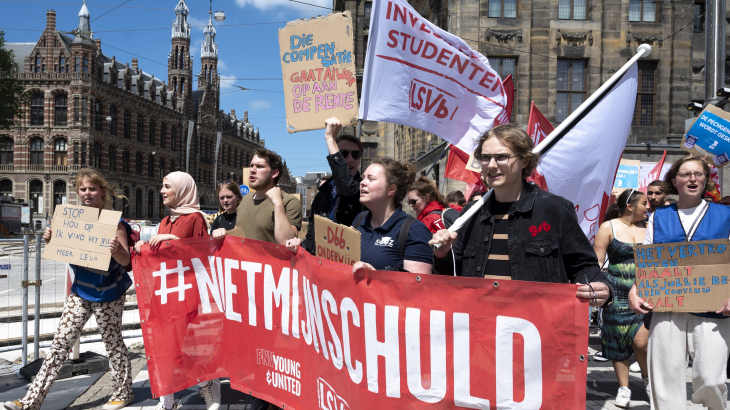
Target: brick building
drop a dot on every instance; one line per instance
(559, 53)
(87, 109)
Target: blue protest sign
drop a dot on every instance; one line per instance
(710, 135)
(627, 175)
(244, 189)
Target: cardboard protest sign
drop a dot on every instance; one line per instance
(627, 175)
(684, 276)
(710, 135)
(318, 66)
(336, 242)
(81, 235)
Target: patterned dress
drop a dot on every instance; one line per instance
(620, 324)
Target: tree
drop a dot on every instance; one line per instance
(12, 92)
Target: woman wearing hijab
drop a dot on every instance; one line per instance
(180, 195)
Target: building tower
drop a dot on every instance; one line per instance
(208, 76)
(179, 62)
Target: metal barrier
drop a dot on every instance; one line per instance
(24, 293)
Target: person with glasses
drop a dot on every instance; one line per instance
(339, 198)
(623, 332)
(428, 203)
(229, 197)
(521, 232)
(676, 336)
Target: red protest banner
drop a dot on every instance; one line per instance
(304, 333)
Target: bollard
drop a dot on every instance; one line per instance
(24, 297)
(37, 321)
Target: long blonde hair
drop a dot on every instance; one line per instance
(111, 190)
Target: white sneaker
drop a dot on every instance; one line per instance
(598, 357)
(212, 394)
(647, 387)
(116, 404)
(13, 405)
(635, 368)
(161, 407)
(623, 398)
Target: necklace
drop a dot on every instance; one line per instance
(626, 223)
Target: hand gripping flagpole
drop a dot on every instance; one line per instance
(642, 51)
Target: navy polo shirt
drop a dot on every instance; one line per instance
(379, 246)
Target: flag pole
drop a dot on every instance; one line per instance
(642, 51)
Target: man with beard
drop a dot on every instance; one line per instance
(656, 195)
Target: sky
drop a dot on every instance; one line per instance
(248, 51)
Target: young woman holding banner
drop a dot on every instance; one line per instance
(93, 292)
(674, 335)
(180, 195)
(623, 331)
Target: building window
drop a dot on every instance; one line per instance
(6, 150)
(163, 135)
(61, 109)
(112, 158)
(505, 66)
(36, 197)
(113, 123)
(36, 151)
(37, 64)
(60, 152)
(172, 166)
(86, 65)
(571, 87)
(150, 203)
(6, 187)
(140, 129)
(36, 109)
(59, 193)
(76, 110)
(138, 203)
(77, 65)
(152, 132)
(99, 116)
(83, 153)
(125, 161)
(62, 64)
(503, 8)
(127, 124)
(97, 156)
(83, 111)
(644, 113)
(370, 152)
(699, 24)
(150, 166)
(125, 202)
(642, 10)
(572, 10)
(173, 139)
(138, 163)
(162, 167)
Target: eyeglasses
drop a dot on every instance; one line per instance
(346, 152)
(500, 159)
(226, 182)
(412, 202)
(687, 175)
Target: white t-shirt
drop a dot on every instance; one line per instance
(688, 216)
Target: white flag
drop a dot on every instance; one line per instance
(581, 162)
(419, 75)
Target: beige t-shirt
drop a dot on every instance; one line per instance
(256, 217)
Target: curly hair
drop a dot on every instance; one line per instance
(517, 140)
(669, 187)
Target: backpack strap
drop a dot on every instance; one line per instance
(435, 212)
(358, 221)
(403, 235)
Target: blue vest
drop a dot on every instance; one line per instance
(715, 224)
(92, 285)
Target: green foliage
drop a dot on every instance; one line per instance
(12, 92)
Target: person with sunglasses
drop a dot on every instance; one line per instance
(338, 199)
(521, 232)
(623, 332)
(676, 336)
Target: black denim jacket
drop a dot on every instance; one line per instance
(546, 244)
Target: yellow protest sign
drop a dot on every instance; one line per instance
(81, 236)
(335, 242)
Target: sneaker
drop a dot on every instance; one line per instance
(623, 398)
(161, 407)
(116, 404)
(646, 386)
(212, 394)
(598, 357)
(13, 405)
(635, 368)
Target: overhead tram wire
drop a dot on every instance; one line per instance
(310, 4)
(110, 11)
(159, 8)
(153, 29)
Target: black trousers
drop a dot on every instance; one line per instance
(259, 404)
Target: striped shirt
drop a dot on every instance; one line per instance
(498, 259)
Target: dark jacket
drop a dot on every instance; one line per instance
(347, 205)
(546, 243)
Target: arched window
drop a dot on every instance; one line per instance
(138, 203)
(6, 150)
(125, 161)
(36, 109)
(60, 154)
(150, 203)
(163, 135)
(151, 166)
(36, 151)
(61, 109)
(113, 123)
(6, 187)
(97, 155)
(125, 202)
(182, 86)
(182, 57)
(59, 193)
(112, 158)
(138, 164)
(36, 197)
(153, 129)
